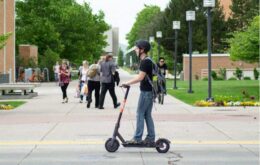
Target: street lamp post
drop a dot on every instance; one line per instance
(151, 40)
(159, 36)
(209, 4)
(190, 16)
(176, 27)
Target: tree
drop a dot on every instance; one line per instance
(120, 60)
(139, 29)
(245, 44)
(243, 11)
(63, 26)
(3, 39)
(176, 10)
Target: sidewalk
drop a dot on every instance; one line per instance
(45, 131)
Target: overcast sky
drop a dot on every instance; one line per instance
(122, 13)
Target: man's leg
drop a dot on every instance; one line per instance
(97, 91)
(113, 94)
(102, 95)
(148, 117)
(89, 96)
(140, 118)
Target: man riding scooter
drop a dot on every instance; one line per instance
(145, 103)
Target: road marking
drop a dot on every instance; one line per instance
(101, 142)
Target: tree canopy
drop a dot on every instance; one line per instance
(245, 44)
(243, 11)
(61, 26)
(151, 19)
(120, 60)
(3, 39)
(140, 28)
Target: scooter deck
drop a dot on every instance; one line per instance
(141, 145)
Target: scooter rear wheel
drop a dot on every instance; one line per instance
(162, 145)
(112, 145)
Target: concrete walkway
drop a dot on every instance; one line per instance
(45, 131)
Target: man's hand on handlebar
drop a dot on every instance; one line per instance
(124, 86)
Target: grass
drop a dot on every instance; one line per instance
(223, 88)
(15, 104)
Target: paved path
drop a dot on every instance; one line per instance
(44, 131)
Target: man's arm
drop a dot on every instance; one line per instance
(137, 79)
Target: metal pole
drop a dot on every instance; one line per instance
(209, 54)
(175, 58)
(190, 58)
(158, 49)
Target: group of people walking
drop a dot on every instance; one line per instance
(92, 78)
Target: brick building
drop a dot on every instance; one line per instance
(200, 66)
(7, 24)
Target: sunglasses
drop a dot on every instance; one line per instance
(161, 61)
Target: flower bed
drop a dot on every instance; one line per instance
(6, 107)
(203, 103)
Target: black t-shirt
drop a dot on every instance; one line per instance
(146, 66)
(162, 69)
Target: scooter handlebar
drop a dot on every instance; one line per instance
(125, 86)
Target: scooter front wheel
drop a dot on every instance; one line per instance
(112, 145)
(162, 145)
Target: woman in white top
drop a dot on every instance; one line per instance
(83, 77)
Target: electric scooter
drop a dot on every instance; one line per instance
(162, 145)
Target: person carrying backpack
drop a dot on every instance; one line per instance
(93, 84)
(145, 102)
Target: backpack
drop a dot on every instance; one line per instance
(156, 78)
(92, 71)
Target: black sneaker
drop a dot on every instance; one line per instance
(148, 142)
(117, 105)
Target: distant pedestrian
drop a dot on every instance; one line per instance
(64, 79)
(163, 69)
(83, 78)
(107, 69)
(93, 83)
(56, 70)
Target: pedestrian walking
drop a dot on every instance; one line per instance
(93, 83)
(145, 102)
(64, 79)
(107, 70)
(56, 70)
(163, 69)
(83, 79)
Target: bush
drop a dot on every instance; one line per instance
(219, 98)
(205, 78)
(256, 74)
(197, 77)
(232, 78)
(247, 78)
(214, 75)
(222, 72)
(238, 73)
(220, 78)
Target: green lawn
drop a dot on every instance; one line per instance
(227, 88)
(13, 103)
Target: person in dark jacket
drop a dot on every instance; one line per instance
(107, 70)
